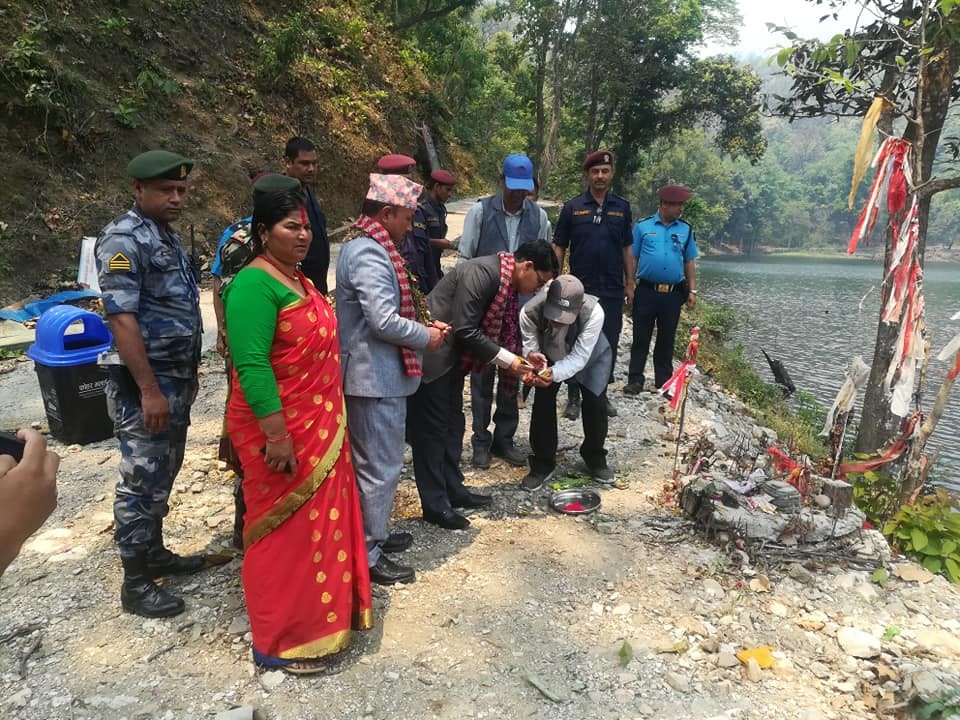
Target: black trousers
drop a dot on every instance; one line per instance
(612, 327)
(436, 426)
(505, 418)
(543, 429)
(651, 308)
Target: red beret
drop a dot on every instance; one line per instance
(598, 157)
(674, 193)
(395, 163)
(443, 177)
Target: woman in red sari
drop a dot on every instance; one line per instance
(305, 573)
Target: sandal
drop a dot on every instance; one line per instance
(305, 667)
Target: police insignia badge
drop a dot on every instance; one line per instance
(119, 263)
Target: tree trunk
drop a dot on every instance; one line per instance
(540, 70)
(878, 425)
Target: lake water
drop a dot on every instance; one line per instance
(807, 314)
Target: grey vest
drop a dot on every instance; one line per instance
(493, 226)
(596, 372)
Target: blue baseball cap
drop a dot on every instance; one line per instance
(518, 172)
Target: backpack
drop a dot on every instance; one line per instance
(235, 254)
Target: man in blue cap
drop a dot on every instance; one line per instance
(151, 299)
(496, 224)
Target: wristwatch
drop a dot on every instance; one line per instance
(693, 292)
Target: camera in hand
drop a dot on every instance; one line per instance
(10, 444)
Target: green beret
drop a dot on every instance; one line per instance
(159, 164)
(274, 182)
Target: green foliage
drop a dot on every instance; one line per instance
(149, 81)
(150, 85)
(282, 46)
(26, 67)
(113, 24)
(127, 112)
(946, 705)
(875, 493)
(324, 35)
(929, 532)
(485, 87)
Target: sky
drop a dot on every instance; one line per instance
(799, 15)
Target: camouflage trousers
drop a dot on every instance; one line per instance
(149, 461)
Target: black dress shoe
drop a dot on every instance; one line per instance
(397, 542)
(572, 410)
(472, 500)
(164, 562)
(449, 520)
(611, 408)
(511, 453)
(387, 572)
(481, 458)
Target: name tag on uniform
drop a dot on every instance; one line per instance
(614, 213)
(583, 212)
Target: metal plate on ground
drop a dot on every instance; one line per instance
(575, 501)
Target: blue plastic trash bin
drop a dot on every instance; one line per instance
(73, 386)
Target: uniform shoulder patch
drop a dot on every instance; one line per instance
(119, 263)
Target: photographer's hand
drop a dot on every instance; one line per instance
(28, 493)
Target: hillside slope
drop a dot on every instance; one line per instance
(84, 86)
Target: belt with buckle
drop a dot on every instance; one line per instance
(658, 287)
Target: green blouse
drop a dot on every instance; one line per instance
(252, 302)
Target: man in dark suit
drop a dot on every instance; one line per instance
(478, 298)
(300, 162)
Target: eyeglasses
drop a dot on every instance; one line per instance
(541, 280)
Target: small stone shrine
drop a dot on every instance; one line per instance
(794, 514)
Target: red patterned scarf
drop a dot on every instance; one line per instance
(501, 322)
(369, 226)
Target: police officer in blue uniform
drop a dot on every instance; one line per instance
(433, 206)
(665, 249)
(595, 228)
(152, 302)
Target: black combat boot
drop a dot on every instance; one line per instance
(141, 596)
(161, 561)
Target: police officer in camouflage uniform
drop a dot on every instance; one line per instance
(152, 301)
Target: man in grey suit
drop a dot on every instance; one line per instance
(475, 299)
(381, 339)
(500, 223)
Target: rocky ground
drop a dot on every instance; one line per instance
(624, 614)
